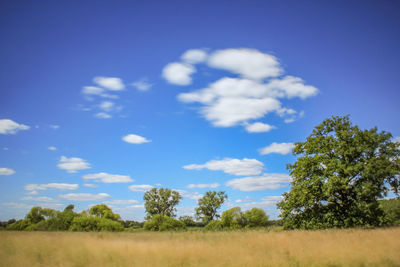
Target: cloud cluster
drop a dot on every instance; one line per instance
(34, 187)
(108, 178)
(232, 101)
(6, 171)
(263, 182)
(72, 165)
(135, 139)
(280, 148)
(11, 127)
(85, 196)
(237, 167)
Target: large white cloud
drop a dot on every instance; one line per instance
(135, 139)
(249, 63)
(140, 188)
(6, 171)
(280, 148)
(178, 73)
(231, 166)
(263, 182)
(108, 178)
(60, 186)
(110, 83)
(72, 165)
(11, 127)
(85, 196)
(194, 56)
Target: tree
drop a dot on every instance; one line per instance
(103, 211)
(391, 209)
(341, 173)
(209, 204)
(233, 218)
(255, 218)
(160, 222)
(161, 201)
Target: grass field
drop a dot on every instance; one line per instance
(378, 247)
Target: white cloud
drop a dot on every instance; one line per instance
(266, 202)
(121, 202)
(214, 185)
(32, 193)
(54, 127)
(396, 139)
(110, 83)
(52, 148)
(246, 199)
(194, 56)
(44, 199)
(178, 73)
(291, 87)
(264, 182)
(135, 139)
(142, 84)
(140, 188)
(108, 178)
(72, 165)
(107, 106)
(102, 115)
(280, 148)
(191, 195)
(92, 90)
(31, 187)
(258, 127)
(91, 185)
(6, 171)
(249, 63)
(11, 127)
(231, 166)
(85, 196)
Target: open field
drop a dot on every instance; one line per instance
(378, 247)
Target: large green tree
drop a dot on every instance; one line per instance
(340, 174)
(161, 201)
(209, 204)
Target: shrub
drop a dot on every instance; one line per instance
(214, 226)
(88, 224)
(255, 218)
(163, 223)
(233, 218)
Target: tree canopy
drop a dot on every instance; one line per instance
(340, 174)
(161, 201)
(209, 204)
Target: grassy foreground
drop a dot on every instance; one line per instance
(379, 247)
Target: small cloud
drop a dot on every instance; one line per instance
(231, 166)
(72, 165)
(121, 202)
(11, 127)
(85, 196)
(191, 195)
(102, 115)
(258, 127)
(107, 106)
(5, 148)
(194, 56)
(110, 83)
(158, 184)
(6, 171)
(91, 185)
(178, 73)
(108, 178)
(257, 183)
(32, 193)
(246, 199)
(44, 199)
(142, 84)
(52, 148)
(54, 127)
(280, 148)
(92, 90)
(214, 185)
(135, 139)
(60, 186)
(140, 188)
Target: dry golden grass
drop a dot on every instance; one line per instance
(379, 247)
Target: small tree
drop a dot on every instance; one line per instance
(233, 218)
(255, 218)
(209, 204)
(161, 201)
(341, 173)
(103, 211)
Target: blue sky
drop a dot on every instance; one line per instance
(102, 100)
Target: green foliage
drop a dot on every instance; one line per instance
(96, 224)
(209, 204)
(188, 220)
(104, 211)
(340, 174)
(391, 209)
(161, 201)
(132, 224)
(214, 225)
(233, 218)
(163, 223)
(255, 218)
(19, 225)
(35, 215)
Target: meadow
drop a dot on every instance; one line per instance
(353, 247)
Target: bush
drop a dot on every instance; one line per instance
(96, 224)
(233, 218)
(188, 220)
(163, 223)
(214, 226)
(18, 225)
(255, 218)
(391, 210)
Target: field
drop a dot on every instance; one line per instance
(378, 247)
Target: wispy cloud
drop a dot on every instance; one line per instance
(142, 84)
(60, 186)
(140, 188)
(108, 178)
(6, 171)
(237, 167)
(256, 183)
(214, 185)
(43, 199)
(52, 148)
(85, 196)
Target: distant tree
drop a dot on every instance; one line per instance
(340, 174)
(35, 215)
(233, 218)
(391, 210)
(209, 204)
(161, 201)
(188, 220)
(255, 217)
(95, 224)
(103, 211)
(160, 222)
(214, 225)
